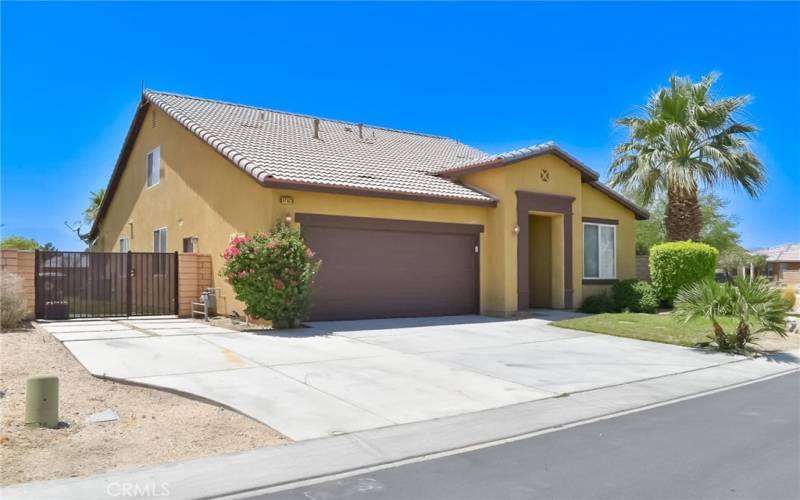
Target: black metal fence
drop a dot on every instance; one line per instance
(105, 284)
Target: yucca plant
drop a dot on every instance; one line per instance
(755, 304)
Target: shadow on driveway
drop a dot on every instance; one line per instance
(399, 323)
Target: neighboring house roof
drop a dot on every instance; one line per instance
(292, 151)
(790, 252)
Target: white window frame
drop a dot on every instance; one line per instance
(599, 277)
(124, 245)
(162, 240)
(153, 169)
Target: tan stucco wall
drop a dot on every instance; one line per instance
(589, 202)
(202, 194)
(504, 183)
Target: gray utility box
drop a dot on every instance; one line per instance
(209, 298)
(56, 310)
(207, 305)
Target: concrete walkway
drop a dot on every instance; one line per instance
(343, 377)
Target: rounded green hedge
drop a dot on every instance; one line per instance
(676, 264)
(598, 304)
(635, 296)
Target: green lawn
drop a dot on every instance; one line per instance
(653, 327)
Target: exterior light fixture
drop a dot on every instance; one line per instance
(288, 219)
(516, 229)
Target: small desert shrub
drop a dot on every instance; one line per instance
(788, 296)
(12, 301)
(677, 264)
(756, 305)
(598, 303)
(272, 274)
(635, 296)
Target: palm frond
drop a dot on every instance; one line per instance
(691, 138)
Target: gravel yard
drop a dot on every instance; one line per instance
(154, 426)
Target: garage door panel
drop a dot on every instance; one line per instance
(369, 273)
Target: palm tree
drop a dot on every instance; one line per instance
(96, 197)
(686, 140)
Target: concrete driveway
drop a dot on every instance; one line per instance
(340, 377)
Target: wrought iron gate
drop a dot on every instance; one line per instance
(105, 284)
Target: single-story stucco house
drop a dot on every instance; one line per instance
(783, 263)
(406, 224)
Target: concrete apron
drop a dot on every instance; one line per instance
(343, 377)
(352, 376)
(274, 468)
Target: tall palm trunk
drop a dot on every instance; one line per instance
(682, 220)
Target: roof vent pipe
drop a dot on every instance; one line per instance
(360, 130)
(316, 128)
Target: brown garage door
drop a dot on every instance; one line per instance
(380, 268)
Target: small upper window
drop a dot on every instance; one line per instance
(599, 251)
(153, 167)
(160, 240)
(190, 245)
(124, 245)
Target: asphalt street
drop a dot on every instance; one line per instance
(739, 443)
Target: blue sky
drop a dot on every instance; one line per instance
(496, 76)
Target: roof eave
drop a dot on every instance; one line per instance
(587, 174)
(274, 183)
(641, 213)
(122, 159)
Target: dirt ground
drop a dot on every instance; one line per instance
(154, 426)
(772, 342)
(239, 325)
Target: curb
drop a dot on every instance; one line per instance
(271, 469)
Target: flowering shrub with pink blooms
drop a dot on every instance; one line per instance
(272, 274)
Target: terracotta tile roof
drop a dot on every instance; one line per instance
(790, 252)
(278, 147)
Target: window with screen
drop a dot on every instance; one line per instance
(190, 244)
(153, 167)
(599, 251)
(160, 240)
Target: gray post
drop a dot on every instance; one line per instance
(41, 401)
